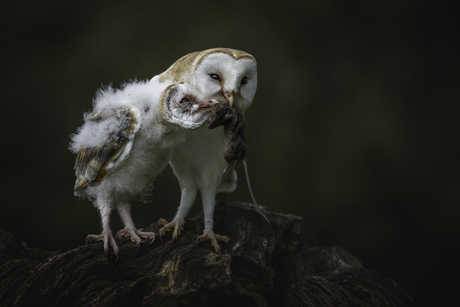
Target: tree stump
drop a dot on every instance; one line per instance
(262, 265)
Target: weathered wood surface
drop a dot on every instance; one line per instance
(263, 265)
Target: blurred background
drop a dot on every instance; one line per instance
(353, 127)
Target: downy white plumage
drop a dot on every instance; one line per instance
(126, 142)
(221, 74)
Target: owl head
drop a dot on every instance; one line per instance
(180, 105)
(218, 73)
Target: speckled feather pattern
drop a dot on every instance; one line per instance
(183, 70)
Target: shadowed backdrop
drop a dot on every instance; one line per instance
(353, 127)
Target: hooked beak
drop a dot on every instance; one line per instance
(207, 104)
(229, 97)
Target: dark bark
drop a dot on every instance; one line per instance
(263, 265)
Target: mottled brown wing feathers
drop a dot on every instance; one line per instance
(81, 184)
(91, 163)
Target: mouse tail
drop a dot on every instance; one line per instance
(252, 194)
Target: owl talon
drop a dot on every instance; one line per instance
(178, 227)
(135, 235)
(107, 238)
(208, 234)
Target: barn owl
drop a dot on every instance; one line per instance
(126, 142)
(225, 75)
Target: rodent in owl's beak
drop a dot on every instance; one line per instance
(229, 96)
(207, 104)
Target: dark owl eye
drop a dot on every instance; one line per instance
(215, 77)
(184, 100)
(244, 80)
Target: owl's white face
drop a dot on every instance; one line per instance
(185, 107)
(219, 75)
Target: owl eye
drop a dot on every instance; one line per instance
(244, 80)
(184, 100)
(215, 77)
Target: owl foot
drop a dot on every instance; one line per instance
(208, 234)
(177, 225)
(136, 235)
(107, 238)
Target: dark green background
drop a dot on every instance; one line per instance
(354, 126)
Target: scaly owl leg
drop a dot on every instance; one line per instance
(187, 199)
(130, 230)
(209, 201)
(106, 235)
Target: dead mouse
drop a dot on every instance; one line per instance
(232, 119)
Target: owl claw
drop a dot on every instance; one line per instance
(107, 238)
(208, 234)
(178, 226)
(135, 235)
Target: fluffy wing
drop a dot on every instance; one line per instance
(94, 163)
